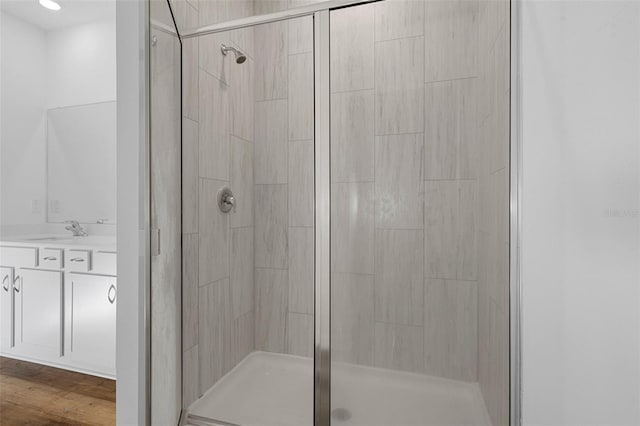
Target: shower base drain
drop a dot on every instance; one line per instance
(341, 414)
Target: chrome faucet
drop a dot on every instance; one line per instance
(75, 228)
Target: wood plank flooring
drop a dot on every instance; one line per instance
(33, 394)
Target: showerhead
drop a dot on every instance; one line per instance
(240, 57)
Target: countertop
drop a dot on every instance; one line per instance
(95, 242)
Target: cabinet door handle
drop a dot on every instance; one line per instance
(111, 294)
(5, 283)
(16, 288)
(50, 258)
(77, 259)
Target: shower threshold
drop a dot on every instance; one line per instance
(269, 389)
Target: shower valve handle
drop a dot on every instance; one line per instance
(231, 201)
(226, 200)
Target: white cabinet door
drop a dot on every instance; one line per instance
(6, 308)
(93, 322)
(38, 313)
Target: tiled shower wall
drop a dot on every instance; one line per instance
(217, 151)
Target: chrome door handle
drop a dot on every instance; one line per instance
(5, 283)
(15, 287)
(50, 258)
(76, 259)
(111, 294)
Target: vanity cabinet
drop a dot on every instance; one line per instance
(58, 305)
(93, 321)
(6, 308)
(38, 313)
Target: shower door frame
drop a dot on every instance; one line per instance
(322, 187)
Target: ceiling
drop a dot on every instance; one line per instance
(73, 12)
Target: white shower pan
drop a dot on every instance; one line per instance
(269, 389)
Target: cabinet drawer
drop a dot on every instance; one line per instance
(26, 257)
(77, 260)
(104, 262)
(51, 258)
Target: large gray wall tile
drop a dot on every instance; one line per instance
(215, 332)
(241, 182)
(242, 99)
(213, 131)
(451, 329)
(450, 229)
(399, 94)
(352, 140)
(270, 162)
(352, 39)
(271, 226)
(243, 335)
(399, 19)
(271, 309)
(271, 61)
(399, 276)
(451, 39)
(301, 35)
(352, 224)
(352, 325)
(451, 130)
(241, 279)
(301, 95)
(399, 183)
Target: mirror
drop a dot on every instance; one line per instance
(81, 163)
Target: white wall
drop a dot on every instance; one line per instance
(81, 66)
(581, 189)
(22, 122)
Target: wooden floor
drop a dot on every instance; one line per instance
(33, 394)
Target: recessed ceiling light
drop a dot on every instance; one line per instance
(50, 4)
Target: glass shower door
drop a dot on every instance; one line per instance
(249, 135)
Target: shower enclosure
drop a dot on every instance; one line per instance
(343, 230)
